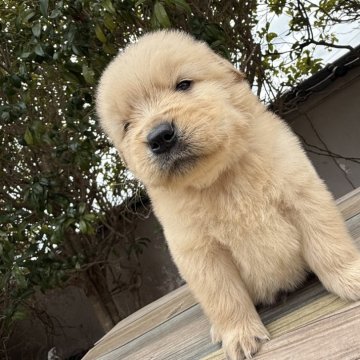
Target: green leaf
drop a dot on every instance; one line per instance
(109, 49)
(44, 5)
(182, 4)
(5, 115)
(36, 29)
(82, 207)
(270, 36)
(100, 34)
(27, 15)
(22, 69)
(161, 15)
(83, 226)
(75, 50)
(88, 74)
(108, 5)
(69, 76)
(55, 13)
(71, 33)
(44, 182)
(18, 315)
(109, 22)
(28, 137)
(139, 2)
(25, 54)
(16, 81)
(90, 217)
(20, 280)
(68, 223)
(39, 50)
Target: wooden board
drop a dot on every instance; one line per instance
(174, 326)
(349, 204)
(335, 336)
(150, 316)
(321, 308)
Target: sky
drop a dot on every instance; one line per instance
(347, 34)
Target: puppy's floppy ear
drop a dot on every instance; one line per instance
(238, 75)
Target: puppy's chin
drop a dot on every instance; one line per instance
(175, 164)
(185, 169)
(178, 161)
(191, 163)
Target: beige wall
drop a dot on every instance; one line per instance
(331, 119)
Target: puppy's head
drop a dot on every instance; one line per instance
(174, 109)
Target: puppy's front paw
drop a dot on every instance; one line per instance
(346, 282)
(215, 335)
(243, 341)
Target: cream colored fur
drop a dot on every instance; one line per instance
(250, 217)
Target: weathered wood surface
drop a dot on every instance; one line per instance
(145, 319)
(175, 328)
(333, 337)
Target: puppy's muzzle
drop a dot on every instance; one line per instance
(162, 138)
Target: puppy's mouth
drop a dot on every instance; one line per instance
(179, 160)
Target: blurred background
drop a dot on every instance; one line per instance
(79, 246)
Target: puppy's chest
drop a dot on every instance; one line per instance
(263, 242)
(231, 218)
(236, 215)
(256, 230)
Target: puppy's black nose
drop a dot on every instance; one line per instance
(162, 138)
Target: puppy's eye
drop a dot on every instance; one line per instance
(126, 126)
(183, 85)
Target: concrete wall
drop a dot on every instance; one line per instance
(330, 120)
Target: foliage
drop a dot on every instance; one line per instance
(60, 179)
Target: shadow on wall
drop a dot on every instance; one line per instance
(324, 112)
(72, 322)
(68, 324)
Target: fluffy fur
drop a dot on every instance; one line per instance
(243, 210)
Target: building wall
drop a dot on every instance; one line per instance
(68, 323)
(330, 120)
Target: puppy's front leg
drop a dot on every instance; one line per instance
(216, 283)
(328, 247)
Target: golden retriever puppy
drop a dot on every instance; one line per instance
(243, 210)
